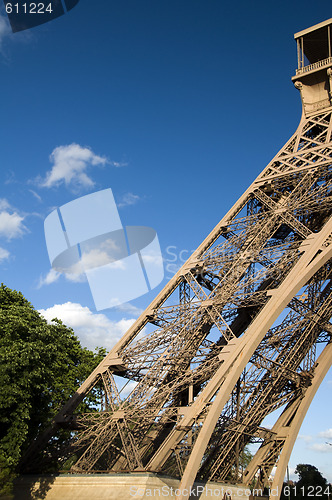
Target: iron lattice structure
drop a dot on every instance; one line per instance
(240, 333)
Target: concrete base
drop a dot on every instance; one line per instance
(136, 486)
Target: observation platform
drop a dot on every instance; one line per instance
(313, 76)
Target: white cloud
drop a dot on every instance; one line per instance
(4, 205)
(11, 222)
(36, 195)
(4, 30)
(91, 260)
(4, 254)
(128, 199)
(70, 164)
(321, 447)
(153, 258)
(92, 329)
(326, 434)
(76, 278)
(305, 438)
(129, 308)
(11, 225)
(51, 277)
(119, 164)
(98, 257)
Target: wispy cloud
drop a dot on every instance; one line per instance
(53, 276)
(75, 278)
(70, 165)
(128, 199)
(4, 30)
(11, 222)
(4, 254)
(321, 447)
(36, 195)
(326, 434)
(4, 204)
(101, 255)
(305, 438)
(10, 177)
(94, 330)
(118, 164)
(91, 257)
(318, 446)
(129, 309)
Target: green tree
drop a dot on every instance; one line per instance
(311, 484)
(41, 366)
(245, 458)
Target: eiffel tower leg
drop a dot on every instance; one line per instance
(291, 430)
(267, 455)
(284, 432)
(317, 251)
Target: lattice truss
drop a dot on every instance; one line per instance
(193, 394)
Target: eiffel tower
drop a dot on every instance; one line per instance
(241, 332)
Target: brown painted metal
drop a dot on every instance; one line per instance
(232, 338)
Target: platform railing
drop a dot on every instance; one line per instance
(316, 65)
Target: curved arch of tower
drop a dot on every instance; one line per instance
(242, 332)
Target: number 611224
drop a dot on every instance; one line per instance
(29, 8)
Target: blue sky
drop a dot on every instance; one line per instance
(177, 106)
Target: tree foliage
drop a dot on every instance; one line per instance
(41, 366)
(311, 484)
(309, 477)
